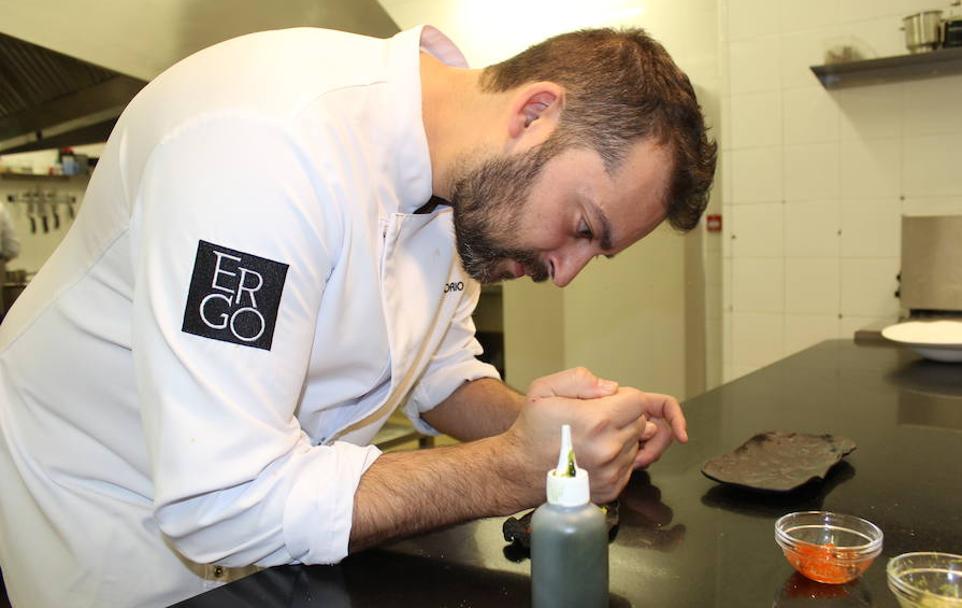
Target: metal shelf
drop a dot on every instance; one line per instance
(42, 177)
(943, 62)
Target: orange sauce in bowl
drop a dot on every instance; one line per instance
(826, 563)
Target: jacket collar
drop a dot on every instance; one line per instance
(413, 160)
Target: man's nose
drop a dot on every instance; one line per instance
(567, 266)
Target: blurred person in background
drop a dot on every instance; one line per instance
(9, 249)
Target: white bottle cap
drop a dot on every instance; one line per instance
(568, 485)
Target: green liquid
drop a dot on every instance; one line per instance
(569, 557)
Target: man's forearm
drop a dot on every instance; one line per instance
(482, 408)
(405, 493)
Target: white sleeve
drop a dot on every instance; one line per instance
(231, 222)
(9, 243)
(454, 363)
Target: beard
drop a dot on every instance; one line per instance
(488, 198)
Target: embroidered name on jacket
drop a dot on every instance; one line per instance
(234, 296)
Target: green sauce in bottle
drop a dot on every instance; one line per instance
(569, 540)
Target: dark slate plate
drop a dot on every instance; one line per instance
(778, 461)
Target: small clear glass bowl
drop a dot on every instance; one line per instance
(926, 580)
(827, 547)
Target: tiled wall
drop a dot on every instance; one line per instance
(815, 181)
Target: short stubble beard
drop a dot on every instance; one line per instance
(488, 199)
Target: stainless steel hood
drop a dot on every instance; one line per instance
(67, 69)
(51, 100)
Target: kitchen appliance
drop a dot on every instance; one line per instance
(923, 31)
(953, 32)
(931, 279)
(931, 288)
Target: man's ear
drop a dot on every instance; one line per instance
(534, 113)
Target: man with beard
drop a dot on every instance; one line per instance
(283, 243)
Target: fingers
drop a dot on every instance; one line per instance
(616, 430)
(650, 429)
(629, 404)
(573, 383)
(667, 408)
(654, 447)
(625, 408)
(610, 461)
(608, 447)
(608, 482)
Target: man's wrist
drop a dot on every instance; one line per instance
(523, 486)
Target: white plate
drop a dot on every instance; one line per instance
(937, 340)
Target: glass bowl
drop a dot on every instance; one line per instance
(828, 547)
(926, 580)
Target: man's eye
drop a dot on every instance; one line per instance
(584, 231)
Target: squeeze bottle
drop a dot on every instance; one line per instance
(569, 540)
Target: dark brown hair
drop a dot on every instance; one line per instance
(621, 86)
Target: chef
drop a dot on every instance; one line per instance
(282, 244)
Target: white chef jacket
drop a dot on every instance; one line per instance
(195, 375)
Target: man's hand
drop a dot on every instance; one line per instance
(665, 418)
(666, 421)
(577, 383)
(606, 423)
(615, 430)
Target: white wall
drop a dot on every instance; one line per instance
(623, 318)
(816, 180)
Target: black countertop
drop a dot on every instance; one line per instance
(685, 541)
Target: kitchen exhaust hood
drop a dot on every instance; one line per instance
(68, 69)
(51, 100)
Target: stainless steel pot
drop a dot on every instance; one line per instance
(923, 31)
